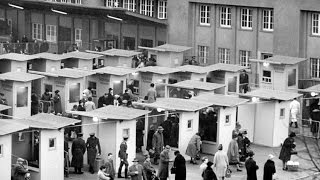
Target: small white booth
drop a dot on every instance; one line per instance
(267, 116)
(70, 83)
(227, 74)
(278, 72)
(13, 62)
(77, 59)
(218, 121)
(192, 72)
(16, 87)
(116, 57)
(39, 140)
(111, 124)
(167, 55)
(47, 62)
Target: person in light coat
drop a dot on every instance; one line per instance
(294, 111)
(136, 170)
(157, 143)
(233, 152)
(193, 147)
(220, 162)
(163, 172)
(102, 175)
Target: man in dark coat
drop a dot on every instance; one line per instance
(180, 165)
(157, 143)
(251, 167)
(34, 103)
(285, 153)
(110, 97)
(269, 168)
(150, 137)
(123, 157)
(66, 154)
(167, 125)
(102, 101)
(78, 148)
(244, 82)
(19, 171)
(109, 167)
(139, 134)
(92, 144)
(163, 173)
(147, 167)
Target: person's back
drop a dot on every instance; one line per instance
(89, 105)
(269, 169)
(252, 168)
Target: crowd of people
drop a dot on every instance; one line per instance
(26, 46)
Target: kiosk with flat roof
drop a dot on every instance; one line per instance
(192, 72)
(77, 59)
(47, 62)
(14, 62)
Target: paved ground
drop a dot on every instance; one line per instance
(193, 173)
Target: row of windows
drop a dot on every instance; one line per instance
(66, 1)
(146, 6)
(246, 17)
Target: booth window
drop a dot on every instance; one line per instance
(93, 85)
(266, 76)
(189, 125)
(292, 74)
(1, 150)
(232, 84)
(160, 88)
(282, 113)
(228, 120)
(52, 143)
(74, 92)
(126, 132)
(22, 96)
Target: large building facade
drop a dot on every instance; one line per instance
(233, 31)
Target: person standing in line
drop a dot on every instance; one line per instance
(269, 168)
(157, 144)
(285, 153)
(57, 102)
(102, 175)
(251, 167)
(92, 144)
(46, 98)
(294, 111)
(233, 152)
(89, 105)
(123, 157)
(163, 173)
(152, 94)
(147, 167)
(109, 167)
(209, 174)
(102, 101)
(110, 97)
(194, 147)
(180, 165)
(220, 162)
(78, 149)
(136, 170)
(204, 165)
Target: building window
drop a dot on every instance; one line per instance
(111, 3)
(225, 17)
(246, 18)
(282, 113)
(266, 76)
(77, 37)
(21, 136)
(1, 150)
(10, 25)
(267, 20)
(244, 58)
(51, 33)
(146, 7)
(130, 5)
(224, 55)
(37, 31)
(315, 24)
(78, 2)
(266, 55)
(126, 133)
(204, 15)
(315, 67)
(189, 125)
(52, 143)
(203, 53)
(162, 9)
(228, 120)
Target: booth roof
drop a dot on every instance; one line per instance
(225, 67)
(277, 59)
(158, 69)
(272, 94)
(4, 107)
(66, 72)
(315, 88)
(116, 52)
(168, 47)
(50, 56)
(118, 71)
(176, 104)
(18, 57)
(19, 76)
(9, 126)
(80, 55)
(113, 112)
(193, 84)
(193, 69)
(220, 100)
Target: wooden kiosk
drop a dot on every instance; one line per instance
(77, 59)
(47, 62)
(13, 62)
(266, 118)
(167, 55)
(192, 72)
(16, 87)
(110, 124)
(39, 139)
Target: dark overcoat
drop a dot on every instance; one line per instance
(148, 170)
(164, 165)
(180, 165)
(92, 144)
(285, 153)
(269, 170)
(208, 174)
(252, 168)
(78, 148)
(123, 151)
(57, 104)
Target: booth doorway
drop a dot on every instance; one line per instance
(208, 124)
(118, 87)
(21, 101)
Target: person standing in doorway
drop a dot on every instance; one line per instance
(269, 168)
(220, 162)
(123, 157)
(152, 94)
(244, 82)
(92, 144)
(163, 173)
(78, 149)
(34, 103)
(180, 165)
(57, 102)
(157, 143)
(251, 167)
(109, 167)
(294, 111)
(194, 147)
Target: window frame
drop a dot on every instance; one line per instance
(129, 5)
(246, 18)
(227, 121)
(78, 41)
(190, 121)
(244, 57)
(266, 79)
(317, 26)
(224, 55)
(1, 150)
(37, 31)
(203, 54)
(224, 17)
(268, 14)
(162, 9)
(282, 110)
(204, 20)
(51, 33)
(315, 73)
(147, 7)
(111, 3)
(54, 143)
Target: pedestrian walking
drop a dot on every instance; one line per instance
(220, 162)
(92, 145)
(102, 175)
(89, 105)
(204, 165)
(193, 147)
(233, 152)
(157, 144)
(163, 173)
(136, 170)
(251, 167)
(180, 165)
(287, 147)
(123, 157)
(294, 111)
(209, 174)
(110, 167)
(78, 148)
(151, 94)
(57, 102)
(269, 168)
(149, 171)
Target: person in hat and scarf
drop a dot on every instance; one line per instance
(208, 173)
(251, 167)
(285, 153)
(136, 170)
(78, 149)
(157, 143)
(269, 168)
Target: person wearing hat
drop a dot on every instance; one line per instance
(246, 144)
(92, 145)
(193, 147)
(110, 97)
(157, 143)
(78, 149)
(251, 167)
(46, 100)
(233, 152)
(57, 102)
(286, 149)
(269, 168)
(244, 81)
(136, 170)
(123, 157)
(220, 162)
(208, 173)
(163, 173)
(180, 165)
(19, 171)
(147, 167)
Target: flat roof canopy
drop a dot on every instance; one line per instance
(167, 48)
(118, 71)
(158, 69)
(50, 56)
(193, 69)
(19, 76)
(193, 84)
(8, 126)
(315, 88)
(225, 67)
(272, 94)
(277, 59)
(116, 52)
(67, 73)
(80, 55)
(18, 57)
(220, 100)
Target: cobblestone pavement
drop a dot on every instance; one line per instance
(261, 153)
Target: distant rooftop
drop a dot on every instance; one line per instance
(193, 69)
(8, 126)
(225, 67)
(272, 94)
(80, 55)
(51, 56)
(66, 72)
(19, 76)
(277, 59)
(220, 100)
(315, 88)
(168, 48)
(18, 57)
(118, 71)
(158, 69)
(193, 84)
(116, 52)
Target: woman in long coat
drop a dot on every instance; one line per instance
(285, 153)
(180, 165)
(193, 147)
(208, 174)
(233, 152)
(220, 162)
(163, 173)
(57, 102)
